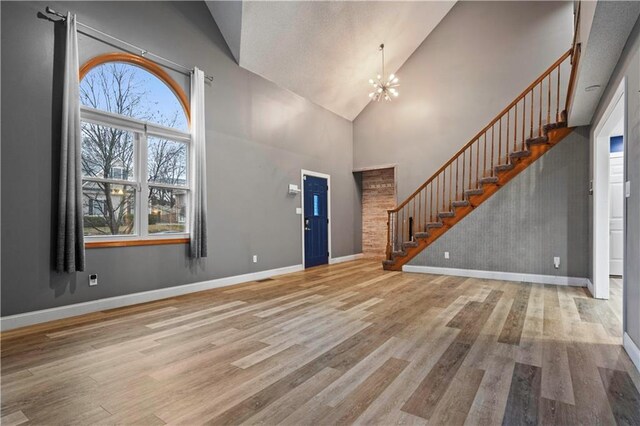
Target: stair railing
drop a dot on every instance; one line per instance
(544, 102)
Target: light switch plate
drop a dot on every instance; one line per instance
(446, 254)
(298, 210)
(627, 189)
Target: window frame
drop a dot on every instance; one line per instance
(141, 130)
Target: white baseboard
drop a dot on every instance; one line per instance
(45, 315)
(632, 349)
(590, 288)
(348, 258)
(494, 275)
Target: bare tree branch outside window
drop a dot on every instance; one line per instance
(109, 152)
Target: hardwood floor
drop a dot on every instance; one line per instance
(340, 344)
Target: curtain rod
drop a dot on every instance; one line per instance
(143, 52)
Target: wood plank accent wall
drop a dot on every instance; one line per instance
(378, 195)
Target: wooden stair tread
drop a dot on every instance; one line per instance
(421, 235)
(434, 225)
(477, 191)
(446, 214)
(520, 154)
(408, 244)
(504, 167)
(553, 126)
(537, 140)
(489, 179)
(460, 203)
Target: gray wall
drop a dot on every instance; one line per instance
(259, 137)
(540, 214)
(477, 60)
(629, 66)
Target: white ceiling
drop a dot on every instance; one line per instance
(326, 51)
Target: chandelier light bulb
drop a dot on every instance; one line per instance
(384, 88)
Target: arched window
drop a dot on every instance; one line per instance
(135, 150)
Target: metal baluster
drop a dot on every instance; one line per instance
(531, 120)
(437, 198)
(506, 145)
(457, 174)
(558, 96)
(444, 186)
(450, 187)
(549, 98)
(540, 113)
(500, 141)
(419, 224)
(431, 201)
(524, 109)
(470, 166)
(478, 164)
(401, 235)
(464, 159)
(484, 162)
(493, 133)
(515, 128)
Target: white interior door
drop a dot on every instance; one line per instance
(616, 206)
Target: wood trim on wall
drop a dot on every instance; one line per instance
(156, 70)
(133, 243)
(143, 63)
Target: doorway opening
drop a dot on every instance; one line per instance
(609, 206)
(378, 194)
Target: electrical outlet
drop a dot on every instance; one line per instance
(446, 254)
(255, 258)
(93, 279)
(556, 262)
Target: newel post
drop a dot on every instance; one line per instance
(388, 234)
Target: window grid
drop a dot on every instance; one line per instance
(140, 171)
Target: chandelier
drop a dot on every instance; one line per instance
(384, 88)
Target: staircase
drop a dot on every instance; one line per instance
(523, 132)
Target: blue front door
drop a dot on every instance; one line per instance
(316, 221)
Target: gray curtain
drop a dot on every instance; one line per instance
(198, 241)
(70, 243)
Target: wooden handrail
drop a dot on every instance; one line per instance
(484, 130)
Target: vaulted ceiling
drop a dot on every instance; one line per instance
(326, 51)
